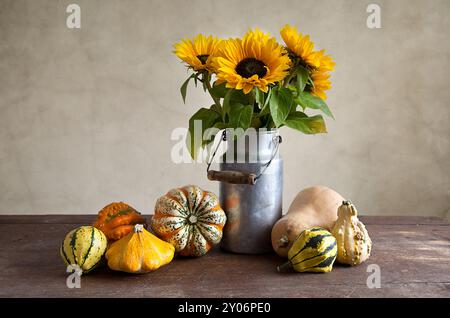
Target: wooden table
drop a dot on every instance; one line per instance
(413, 255)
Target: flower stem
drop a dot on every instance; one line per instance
(291, 74)
(253, 97)
(287, 80)
(207, 82)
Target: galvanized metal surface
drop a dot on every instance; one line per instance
(252, 210)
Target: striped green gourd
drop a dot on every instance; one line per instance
(84, 246)
(314, 250)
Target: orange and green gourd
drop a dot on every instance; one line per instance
(117, 220)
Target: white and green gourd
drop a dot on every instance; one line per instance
(189, 218)
(85, 247)
(353, 241)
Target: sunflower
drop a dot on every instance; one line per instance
(257, 60)
(197, 52)
(326, 62)
(321, 81)
(303, 47)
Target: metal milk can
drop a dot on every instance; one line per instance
(251, 187)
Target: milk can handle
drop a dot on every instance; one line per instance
(238, 177)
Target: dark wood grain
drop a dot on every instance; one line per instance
(413, 254)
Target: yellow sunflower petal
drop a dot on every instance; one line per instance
(197, 52)
(321, 82)
(302, 46)
(256, 60)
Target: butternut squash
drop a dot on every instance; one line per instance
(313, 207)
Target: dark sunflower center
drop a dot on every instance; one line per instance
(203, 58)
(251, 66)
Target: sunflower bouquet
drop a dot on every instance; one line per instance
(256, 82)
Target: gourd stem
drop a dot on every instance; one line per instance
(138, 228)
(284, 267)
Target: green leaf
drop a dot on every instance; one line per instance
(259, 97)
(194, 138)
(280, 105)
(220, 125)
(183, 88)
(238, 96)
(302, 78)
(241, 116)
(308, 125)
(307, 100)
(233, 97)
(219, 91)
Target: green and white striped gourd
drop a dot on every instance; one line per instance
(84, 246)
(189, 218)
(314, 250)
(354, 243)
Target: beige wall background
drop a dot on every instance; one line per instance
(86, 115)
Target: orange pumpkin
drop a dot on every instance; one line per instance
(117, 220)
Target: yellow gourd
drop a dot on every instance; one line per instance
(139, 252)
(353, 241)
